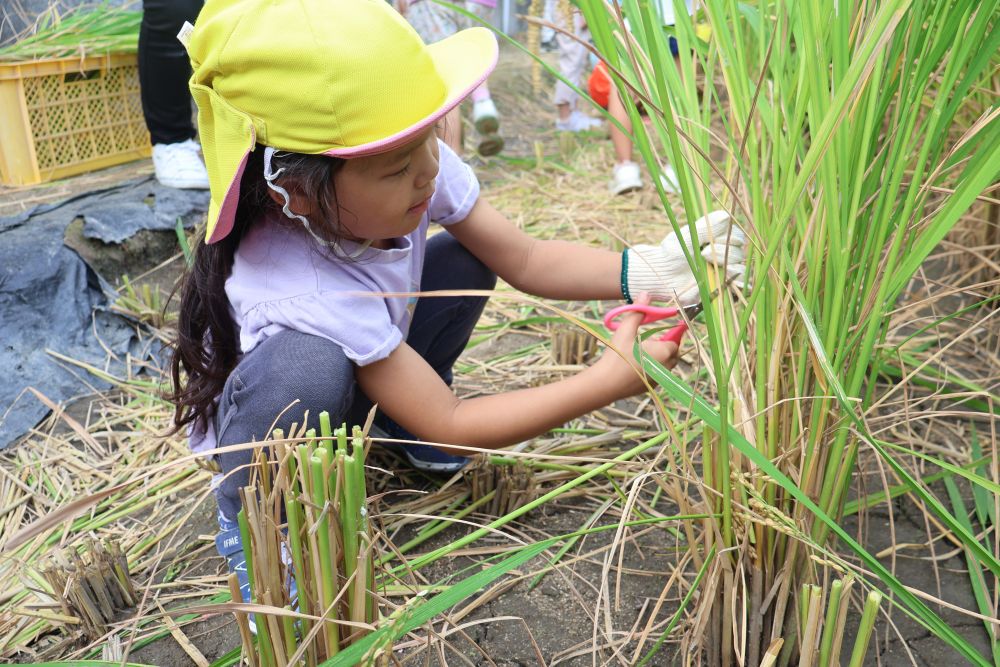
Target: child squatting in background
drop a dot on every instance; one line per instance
(317, 119)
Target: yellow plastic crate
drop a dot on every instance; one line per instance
(66, 116)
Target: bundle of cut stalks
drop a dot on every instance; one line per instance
(508, 486)
(309, 548)
(92, 586)
(572, 346)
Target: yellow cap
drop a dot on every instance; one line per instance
(343, 78)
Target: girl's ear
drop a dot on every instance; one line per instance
(299, 205)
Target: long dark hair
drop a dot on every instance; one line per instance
(207, 346)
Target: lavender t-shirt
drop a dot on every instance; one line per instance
(282, 279)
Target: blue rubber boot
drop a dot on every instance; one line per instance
(229, 544)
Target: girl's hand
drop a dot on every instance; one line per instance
(625, 378)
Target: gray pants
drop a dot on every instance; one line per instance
(294, 366)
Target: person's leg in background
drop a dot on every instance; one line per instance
(573, 60)
(548, 36)
(626, 176)
(164, 70)
(485, 118)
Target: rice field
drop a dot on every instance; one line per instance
(816, 483)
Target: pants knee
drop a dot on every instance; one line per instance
(464, 270)
(287, 376)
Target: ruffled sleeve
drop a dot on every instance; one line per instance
(456, 188)
(365, 332)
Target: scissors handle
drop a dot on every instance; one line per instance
(676, 334)
(650, 314)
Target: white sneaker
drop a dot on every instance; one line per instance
(179, 165)
(487, 122)
(485, 116)
(578, 122)
(626, 178)
(668, 179)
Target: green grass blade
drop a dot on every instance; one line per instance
(976, 579)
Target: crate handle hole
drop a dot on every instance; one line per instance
(86, 75)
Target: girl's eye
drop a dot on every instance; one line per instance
(402, 172)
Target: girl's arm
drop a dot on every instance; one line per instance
(409, 391)
(549, 269)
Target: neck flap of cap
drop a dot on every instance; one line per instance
(227, 137)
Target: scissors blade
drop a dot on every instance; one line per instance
(693, 311)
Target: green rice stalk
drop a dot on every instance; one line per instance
(830, 624)
(319, 467)
(872, 603)
(295, 515)
(812, 610)
(326, 432)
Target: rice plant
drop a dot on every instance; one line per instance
(824, 128)
(304, 526)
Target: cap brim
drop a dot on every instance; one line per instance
(463, 62)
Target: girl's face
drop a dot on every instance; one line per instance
(382, 197)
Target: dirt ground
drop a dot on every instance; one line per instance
(554, 622)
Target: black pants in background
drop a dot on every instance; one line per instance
(164, 69)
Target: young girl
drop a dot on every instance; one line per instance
(317, 118)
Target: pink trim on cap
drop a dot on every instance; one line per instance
(227, 212)
(401, 137)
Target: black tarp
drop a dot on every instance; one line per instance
(51, 299)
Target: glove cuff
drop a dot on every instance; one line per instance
(626, 293)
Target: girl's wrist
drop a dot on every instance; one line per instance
(600, 380)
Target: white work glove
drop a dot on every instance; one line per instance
(662, 270)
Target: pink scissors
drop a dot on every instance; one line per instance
(655, 314)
